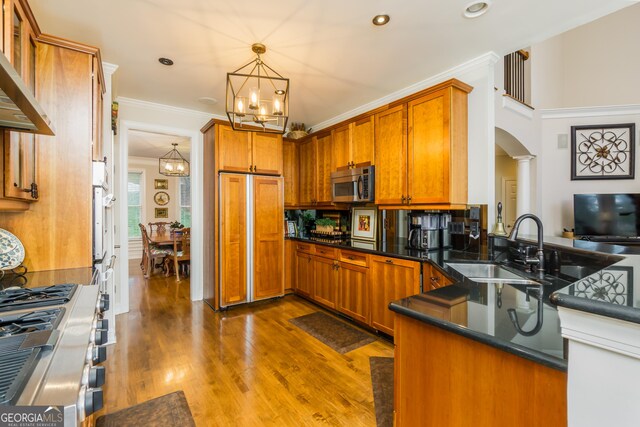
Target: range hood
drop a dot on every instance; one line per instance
(19, 109)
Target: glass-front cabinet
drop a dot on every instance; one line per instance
(20, 166)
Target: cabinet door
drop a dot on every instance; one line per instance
(304, 274)
(20, 166)
(429, 148)
(341, 147)
(234, 150)
(267, 153)
(98, 151)
(268, 243)
(391, 156)
(353, 291)
(434, 279)
(307, 190)
(390, 279)
(291, 158)
(326, 281)
(233, 239)
(362, 145)
(323, 169)
(289, 265)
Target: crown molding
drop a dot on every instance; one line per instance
(481, 61)
(598, 111)
(124, 101)
(109, 68)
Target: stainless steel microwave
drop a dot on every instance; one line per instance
(353, 185)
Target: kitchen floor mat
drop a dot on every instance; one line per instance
(382, 383)
(335, 333)
(168, 410)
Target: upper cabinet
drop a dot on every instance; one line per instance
(421, 149)
(307, 192)
(97, 107)
(249, 152)
(291, 160)
(353, 144)
(323, 169)
(19, 41)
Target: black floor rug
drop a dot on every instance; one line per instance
(382, 383)
(335, 333)
(168, 410)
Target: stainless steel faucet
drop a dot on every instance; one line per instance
(539, 260)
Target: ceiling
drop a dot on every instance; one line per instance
(336, 58)
(155, 145)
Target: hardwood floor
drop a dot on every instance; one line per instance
(248, 366)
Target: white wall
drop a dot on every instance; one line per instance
(151, 117)
(506, 168)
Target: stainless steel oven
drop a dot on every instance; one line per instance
(353, 185)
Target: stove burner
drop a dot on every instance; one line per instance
(6, 330)
(14, 299)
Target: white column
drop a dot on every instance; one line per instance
(523, 196)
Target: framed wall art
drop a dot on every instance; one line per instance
(161, 184)
(162, 213)
(363, 223)
(603, 151)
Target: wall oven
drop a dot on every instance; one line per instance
(353, 185)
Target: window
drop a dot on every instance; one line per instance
(134, 200)
(185, 201)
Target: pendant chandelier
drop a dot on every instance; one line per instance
(257, 96)
(173, 164)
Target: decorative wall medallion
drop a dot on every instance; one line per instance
(613, 285)
(161, 198)
(603, 151)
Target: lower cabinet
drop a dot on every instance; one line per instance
(326, 281)
(304, 274)
(289, 265)
(353, 291)
(391, 279)
(434, 279)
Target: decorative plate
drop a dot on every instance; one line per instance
(161, 198)
(11, 251)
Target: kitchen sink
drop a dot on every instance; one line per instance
(489, 273)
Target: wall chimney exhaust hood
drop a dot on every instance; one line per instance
(19, 109)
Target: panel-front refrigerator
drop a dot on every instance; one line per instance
(251, 238)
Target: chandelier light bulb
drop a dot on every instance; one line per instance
(253, 98)
(168, 167)
(180, 167)
(240, 107)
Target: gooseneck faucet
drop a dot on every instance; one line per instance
(539, 260)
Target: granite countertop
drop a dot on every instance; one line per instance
(81, 276)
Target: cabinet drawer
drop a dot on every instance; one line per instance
(304, 247)
(327, 252)
(357, 258)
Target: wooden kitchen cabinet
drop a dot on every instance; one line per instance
(19, 41)
(326, 281)
(390, 279)
(391, 156)
(290, 171)
(434, 278)
(268, 244)
(437, 148)
(362, 142)
(323, 170)
(289, 265)
(353, 291)
(305, 278)
(233, 239)
(249, 152)
(307, 187)
(20, 166)
(421, 149)
(341, 147)
(98, 112)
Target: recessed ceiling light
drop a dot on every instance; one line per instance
(381, 19)
(208, 100)
(477, 8)
(165, 61)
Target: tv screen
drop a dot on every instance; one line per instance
(606, 214)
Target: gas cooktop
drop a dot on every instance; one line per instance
(32, 321)
(17, 299)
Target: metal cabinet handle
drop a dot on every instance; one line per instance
(409, 200)
(389, 261)
(350, 257)
(403, 199)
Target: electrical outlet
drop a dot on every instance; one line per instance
(563, 141)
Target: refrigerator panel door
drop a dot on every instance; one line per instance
(233, 229)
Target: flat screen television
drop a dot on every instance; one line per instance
(615, 215)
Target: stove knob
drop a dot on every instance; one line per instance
(92, 401)
(103, 303)
(102, 324)
(96, 376)
(99, 354)
(100, 337)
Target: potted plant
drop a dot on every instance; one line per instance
(307, 221)
(175, 225)
(297, 131)
(325, 225)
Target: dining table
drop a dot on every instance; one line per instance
(162, 238)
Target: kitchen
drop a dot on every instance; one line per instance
(479, 178)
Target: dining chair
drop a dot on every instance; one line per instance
(181, 251)
(158, 227)
(150, 253)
